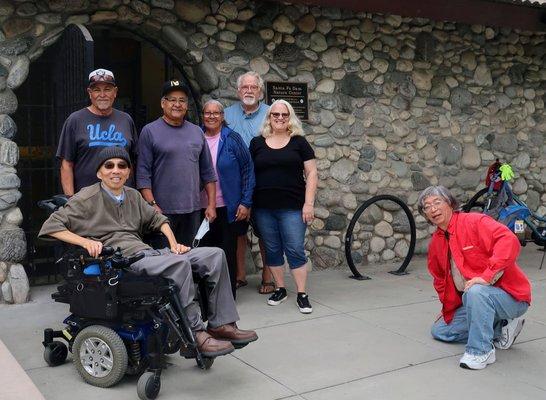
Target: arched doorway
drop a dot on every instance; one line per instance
(55, 87)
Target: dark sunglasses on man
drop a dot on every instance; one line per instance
(112, 165)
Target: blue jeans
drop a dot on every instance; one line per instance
(479, 320)
(282, 231)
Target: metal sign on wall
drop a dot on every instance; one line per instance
(293, 92)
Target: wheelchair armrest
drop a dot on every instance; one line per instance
(120, 262)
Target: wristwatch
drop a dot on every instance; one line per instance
(152, 203)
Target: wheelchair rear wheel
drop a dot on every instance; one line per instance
(100, 356)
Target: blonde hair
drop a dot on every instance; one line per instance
(294, 124)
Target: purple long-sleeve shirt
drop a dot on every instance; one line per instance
(175, 163)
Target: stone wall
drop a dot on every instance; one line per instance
(396, 103)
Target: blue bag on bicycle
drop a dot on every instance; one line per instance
(509, 214)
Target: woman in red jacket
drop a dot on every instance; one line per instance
(484, 293)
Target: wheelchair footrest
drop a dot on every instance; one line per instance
(187, 352)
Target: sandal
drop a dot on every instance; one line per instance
(266, 287)
(240, 283)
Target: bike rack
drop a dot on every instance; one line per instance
(413, 234)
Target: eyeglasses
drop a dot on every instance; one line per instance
(434, 204)
(112, 165)
(280, 115)
(214, 114)
(249, 88)
(174, 100)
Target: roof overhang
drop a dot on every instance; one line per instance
(524, 15)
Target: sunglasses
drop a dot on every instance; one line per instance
(279, 115)
(112, 165)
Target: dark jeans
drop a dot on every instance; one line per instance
(222, 234)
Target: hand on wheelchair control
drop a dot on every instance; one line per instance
(180, 249)
(93, 247)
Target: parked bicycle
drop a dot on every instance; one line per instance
(499, 201)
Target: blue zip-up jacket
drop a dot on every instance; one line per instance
(235, 171)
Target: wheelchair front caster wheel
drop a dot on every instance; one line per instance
(55, 353)
(148, 386)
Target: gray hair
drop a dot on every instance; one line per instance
(252, 74)
(220, 107)
(440, 191)
(215, 102)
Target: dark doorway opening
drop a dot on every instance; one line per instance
(140, 69)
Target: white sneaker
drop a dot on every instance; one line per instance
(509, 333)
(471, 361)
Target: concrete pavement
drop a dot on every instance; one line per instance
(364, 340)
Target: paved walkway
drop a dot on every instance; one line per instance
(364, 340)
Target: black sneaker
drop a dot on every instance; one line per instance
(278, 296)
(303, 303)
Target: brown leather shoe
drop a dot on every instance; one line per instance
(211, 347)
(233, 334)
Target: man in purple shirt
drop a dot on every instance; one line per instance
(174, 162)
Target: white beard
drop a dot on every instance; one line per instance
(250, 101)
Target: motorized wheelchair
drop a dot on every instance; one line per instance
(120, 323)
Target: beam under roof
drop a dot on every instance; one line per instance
(524, 15)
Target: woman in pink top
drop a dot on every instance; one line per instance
(234, 187)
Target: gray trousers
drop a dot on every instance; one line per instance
(207, 262)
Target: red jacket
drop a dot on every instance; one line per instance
(480, 247)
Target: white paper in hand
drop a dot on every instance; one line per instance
(203, 229)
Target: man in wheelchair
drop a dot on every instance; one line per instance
(110, 214)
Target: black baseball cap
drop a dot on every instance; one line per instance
(172, 85)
